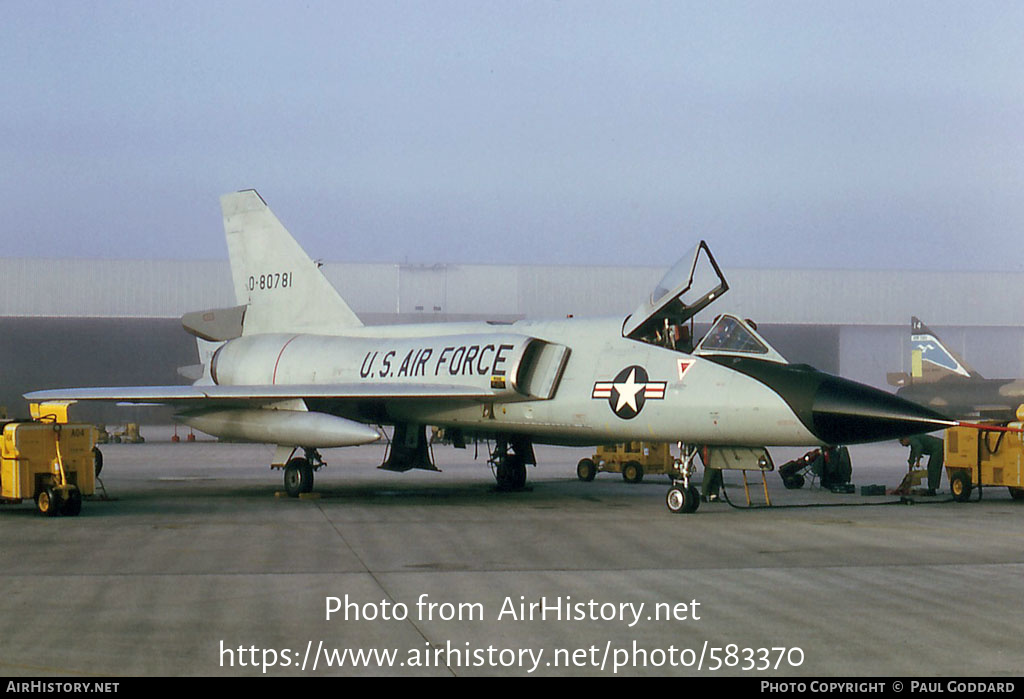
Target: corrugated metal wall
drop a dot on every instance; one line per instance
(888, 297)
(848, 322)
(111, 288)
(169, 288)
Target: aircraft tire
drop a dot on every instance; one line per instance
(960, 486)
(675, 499)
(632, 472)
(693, 501)
(519, 475)
(586, 470)
(516, 473)
(681, 500)
(298, 477)
(511, 473)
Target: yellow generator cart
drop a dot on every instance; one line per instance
(50, 462)
(976, 458)
(632, 459)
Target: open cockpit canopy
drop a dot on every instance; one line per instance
(692, 284)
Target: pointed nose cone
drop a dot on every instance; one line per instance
(846, 412)
(837, 410)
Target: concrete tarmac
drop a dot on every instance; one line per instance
(195, 568)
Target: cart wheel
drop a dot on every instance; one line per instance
(48, 502)
(960, 486)
(794, 482)
(586, 470)
(679, 500)
(97, 461)
(73, 505)
(633, 472)
(1017, 493)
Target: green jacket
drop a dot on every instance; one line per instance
(923, 445)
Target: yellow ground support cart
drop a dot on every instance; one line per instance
(129, 434)
(976, 457)
(50, 462)
(632, 459)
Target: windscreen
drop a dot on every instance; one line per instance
(730, 335)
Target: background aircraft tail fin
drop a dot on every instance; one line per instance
(931, 360)
(283, 289)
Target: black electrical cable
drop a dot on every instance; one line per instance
(904, 500)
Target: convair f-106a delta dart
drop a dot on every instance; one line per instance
(292, 365)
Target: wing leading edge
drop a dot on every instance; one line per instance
(198, 393)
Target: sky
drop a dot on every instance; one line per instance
(855, 135)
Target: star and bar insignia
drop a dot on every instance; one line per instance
(628, 391)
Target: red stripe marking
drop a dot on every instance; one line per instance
(273, 379)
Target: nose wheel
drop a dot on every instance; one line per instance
(682, 497)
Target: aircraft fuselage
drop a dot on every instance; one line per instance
(571, 381)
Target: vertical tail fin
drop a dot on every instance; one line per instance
(931, 359)
(283, 289)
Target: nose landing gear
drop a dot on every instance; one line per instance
(682, 496)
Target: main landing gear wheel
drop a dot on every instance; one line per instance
(960, 486)
(511, 473)
(509, 459)
(298, 477)
(586, 470)
(682, 500)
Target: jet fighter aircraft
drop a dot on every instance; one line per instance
(942, 380)
(294, 366)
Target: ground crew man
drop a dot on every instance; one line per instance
(711, 483)
(922, 445)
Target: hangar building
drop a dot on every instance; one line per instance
(116, 322)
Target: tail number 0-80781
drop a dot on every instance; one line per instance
(274, 280)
